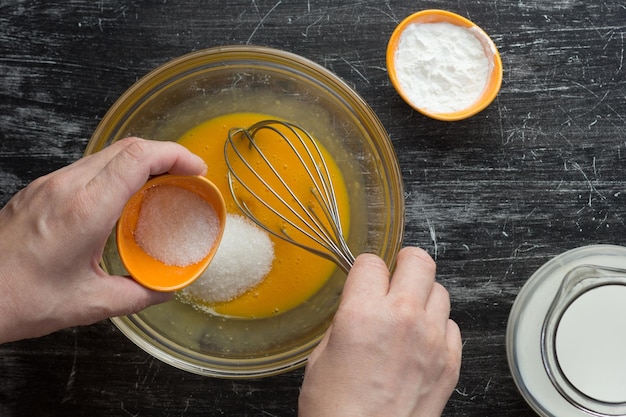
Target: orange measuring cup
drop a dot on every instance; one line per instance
(147, 270)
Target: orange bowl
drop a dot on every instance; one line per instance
(494, 80)
(145, 269)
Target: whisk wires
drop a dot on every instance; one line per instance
(260, 161)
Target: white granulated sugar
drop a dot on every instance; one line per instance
(242, 261)
(176, 226)
(441, 67)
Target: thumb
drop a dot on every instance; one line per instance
(119, 296)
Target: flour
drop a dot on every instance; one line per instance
(441, 67)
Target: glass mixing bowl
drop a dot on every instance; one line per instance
(199, 86)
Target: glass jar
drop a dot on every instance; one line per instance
(566, 336)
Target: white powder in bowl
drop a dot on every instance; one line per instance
(441, 67)
(176, 226)
(242, 261)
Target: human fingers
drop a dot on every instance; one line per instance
(111, 296)
(138, 159)
(414, 274)
(89, 166)
(454, 344)
(438, 304)
(453, 337)
(125, 158)
(368, 277)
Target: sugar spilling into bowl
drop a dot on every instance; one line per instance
(176, 226)
(242, 261)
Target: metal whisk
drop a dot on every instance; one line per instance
(267, 190)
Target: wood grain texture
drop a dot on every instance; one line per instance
(492, 198)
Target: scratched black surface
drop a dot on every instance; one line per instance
(491, 198)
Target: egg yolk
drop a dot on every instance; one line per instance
(296, 274)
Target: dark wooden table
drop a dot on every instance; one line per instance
(491, 198)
